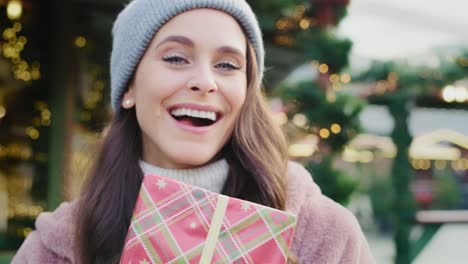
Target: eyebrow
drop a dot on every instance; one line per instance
(189, 43)
(179, 39)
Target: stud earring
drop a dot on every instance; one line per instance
(128, 102)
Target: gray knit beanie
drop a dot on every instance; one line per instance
(137, 24)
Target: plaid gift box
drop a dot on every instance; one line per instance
(178, 223)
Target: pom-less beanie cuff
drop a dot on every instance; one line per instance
(137, 24)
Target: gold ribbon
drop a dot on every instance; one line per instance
(213, 232)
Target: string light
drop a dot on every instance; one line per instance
(323, 68)
(2, 111)
(300, 120)
(304, 23)
(45, 116)
(461, 94)
(32, 132)
(282, 24)
(285, 40)
(324, 133)
(12, 48)
(80, 42)
(14, 9)
(352, 155)
(452, 94)
(345, 78)
(299, 11)
(301, 150)
(16, 151)
(334, 78)
(335, 128)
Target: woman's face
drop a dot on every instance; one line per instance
(189, 88)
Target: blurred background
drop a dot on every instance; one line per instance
(372, 95)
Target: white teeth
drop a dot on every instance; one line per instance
(194, 113)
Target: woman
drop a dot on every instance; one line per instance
(185, 87)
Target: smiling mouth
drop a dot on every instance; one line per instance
(194, 117)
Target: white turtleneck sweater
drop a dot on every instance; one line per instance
(209, 177)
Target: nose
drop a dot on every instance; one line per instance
(203, 81)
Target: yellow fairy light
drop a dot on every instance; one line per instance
(336, 86)
(282, 24)
(22, 40)
(2, 111)
(300, 120)
(46, 114)
(300, 9)
(26, 76)
(304, 23)
(301, 150)
(45, 122)
(456, 165)
(345, 78)
(324, 133)
(23, 65)
(32, 132)
(13, 41)
(17, 27)
(19, 47)
(335, 128)
(334, 78)
(448, 94)
(8, 51)
(323, 68)
(25, 153)
(461, 94)
(14, 9)
(426, 164)
(80, 41)
(8, 34)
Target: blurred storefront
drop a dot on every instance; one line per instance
(54, 84)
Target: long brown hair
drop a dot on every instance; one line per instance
(256, 155)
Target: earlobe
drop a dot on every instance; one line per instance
(128, 100)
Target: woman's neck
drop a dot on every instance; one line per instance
(210, 177)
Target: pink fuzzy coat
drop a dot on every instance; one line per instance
(326, 232)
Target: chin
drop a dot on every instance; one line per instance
(191, 159)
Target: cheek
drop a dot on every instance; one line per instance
(156, 88)
(235, 95)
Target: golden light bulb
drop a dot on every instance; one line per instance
(14, 9)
